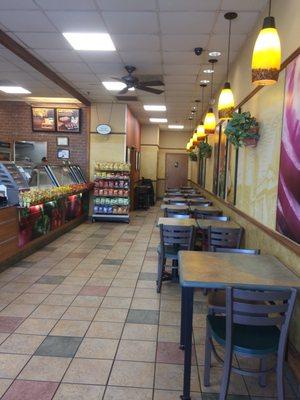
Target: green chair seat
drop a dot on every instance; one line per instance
(255, 340)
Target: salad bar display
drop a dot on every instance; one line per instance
(111, 191)
(44, 210)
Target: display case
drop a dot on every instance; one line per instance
(13, 181)
(111, 192)
(62, 174)
(42, 177)
(77, 173)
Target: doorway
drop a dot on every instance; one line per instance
(176, 170)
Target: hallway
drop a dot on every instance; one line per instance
(81, 319)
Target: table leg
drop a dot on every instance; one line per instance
(182, 323)
(188, 295)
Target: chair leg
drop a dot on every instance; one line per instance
(279, 377)
(263, 376)
(160, 268)
(226, 375)
(207, 357)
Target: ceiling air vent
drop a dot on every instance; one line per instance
(127, 98)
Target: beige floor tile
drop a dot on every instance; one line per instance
(41, 288)
(111, 315)
(170, 377)
(123, 393)
(172, 395)
(136, 350)
(125, 283)
(18, 310)
(21, 344)
(140, 332)
(30, 298)
(59, 300)
(135, 374)
(80, 313)
(168, 333)
(105, 330)
(35, 326)
(169, 318)
(4, 384)
(146, 294)
(116, 302)
(87, 371)
(45, 311)
(87, 301)
(68, 289)
(120, 292)
(67, 391)
(167, 305)
(49, 369)
(97, 348)
(11, 364)
(145, 304)
(70, 328)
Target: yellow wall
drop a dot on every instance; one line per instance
(258, 168)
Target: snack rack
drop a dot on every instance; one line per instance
(111, 200)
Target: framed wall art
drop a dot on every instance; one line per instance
(63, 154)
(62, 141)
(43, 119)
(68, 120)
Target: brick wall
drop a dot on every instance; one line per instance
(15, 124)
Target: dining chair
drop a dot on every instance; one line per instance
(201, 203)
(172, 240)
(253, 330)
(199, 213)
(216, 217)
(216, 299)
(224, 237)
(184, 213)
(177, 202)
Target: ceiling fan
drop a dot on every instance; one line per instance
(133, 82)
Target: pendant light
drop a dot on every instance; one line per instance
(210, 119)
(200, 128)
(266, 58)
(226, 100)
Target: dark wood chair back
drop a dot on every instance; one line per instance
(224, 237)
(198, 214)
(178, 237)
(253, 252)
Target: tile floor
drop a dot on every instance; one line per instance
(80, 319)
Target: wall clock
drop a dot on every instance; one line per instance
(103, 129)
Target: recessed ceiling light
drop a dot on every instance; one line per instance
(175, 126)
(208, 71)
(158, 120)
(204, 81)
(90, 41)
(149, 107)
(14, 90)
(113, 85)
(214, 53)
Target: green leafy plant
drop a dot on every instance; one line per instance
(205, 150)
(242, 130)
(193, 156)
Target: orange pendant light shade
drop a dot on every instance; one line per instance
(226, 102)
(210, 122)
(266, 58)
(201, 131)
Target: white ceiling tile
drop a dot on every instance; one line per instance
(75, 77)
(179, 86)
(183, 42)
(17, 5)
(99, 56)
(44, 40)
(136, 42)
(180, 57)
(25, 21)
(242, 24)
(181, 78)
(127, 5)
(58, 55)
(219, 42)
(234, 5)
(186, 23)
(6, 66)
(180, 69)
(79, 67)
(140, 57)
(131, 22)
(149, 69)
(77, 21)
(110, 68)
(189, 5)
(67, 5)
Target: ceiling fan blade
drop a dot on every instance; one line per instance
(148, 89)
(152, 83)
(123, 91)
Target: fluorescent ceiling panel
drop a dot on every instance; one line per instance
(90, 41)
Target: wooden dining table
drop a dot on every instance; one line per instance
(207, 270)
(191, 208)
(198, 223)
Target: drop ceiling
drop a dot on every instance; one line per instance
(156, 36)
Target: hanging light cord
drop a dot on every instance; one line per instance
(212, 82)
(202, 100)
(228, 49)
(270, 5)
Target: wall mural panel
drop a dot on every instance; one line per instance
(288, 205)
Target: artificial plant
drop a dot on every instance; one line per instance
(242, 130)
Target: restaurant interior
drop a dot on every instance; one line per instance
(149, 199)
